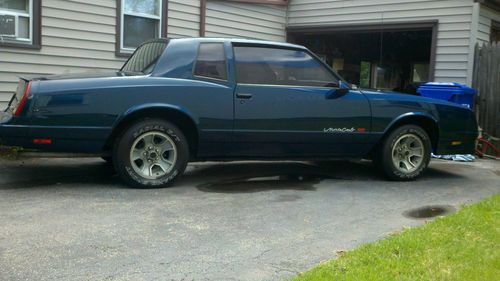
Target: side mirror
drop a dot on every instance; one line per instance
(337, 93)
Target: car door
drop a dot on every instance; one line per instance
(288, 104)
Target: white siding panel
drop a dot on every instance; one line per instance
(486, 15)
(88, 6)
(39, 68)
(77, 43)
(451, 65)
(77, 36)
(454, 30)
(183, 18)
(76, 16)
(94, 3)
(240, 20)
(66, 61)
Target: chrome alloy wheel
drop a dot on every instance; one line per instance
(153, 155)
(408, 153)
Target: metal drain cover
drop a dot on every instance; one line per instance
(426, 212)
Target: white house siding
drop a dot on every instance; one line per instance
(454, 30)
(77, 36)
(266, 22)
(486, 15)
(183, 18)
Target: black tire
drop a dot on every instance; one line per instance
(384, 157)
(122, 153)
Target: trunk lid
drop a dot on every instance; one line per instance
(83, 75)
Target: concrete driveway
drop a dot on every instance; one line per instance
(70, 219)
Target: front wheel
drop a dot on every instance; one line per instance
(405, 153)
(151, 153)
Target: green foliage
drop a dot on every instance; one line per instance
(10, 153)
(464, 246)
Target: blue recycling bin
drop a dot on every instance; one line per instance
(452, 92)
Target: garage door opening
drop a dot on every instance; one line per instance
(387, 59)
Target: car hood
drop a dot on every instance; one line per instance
(383, 92)
(372, 93)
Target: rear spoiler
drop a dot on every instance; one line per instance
(18, 95)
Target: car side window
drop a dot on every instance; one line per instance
(275, 66)
(211, 61)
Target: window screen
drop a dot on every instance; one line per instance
(15, 21)
(141, 21)
(272, 66)
(211, 61)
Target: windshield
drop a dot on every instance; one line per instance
(145, 57)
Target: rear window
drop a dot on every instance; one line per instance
(145, 57)
(211, 61)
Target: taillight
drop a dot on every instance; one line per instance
(42, 141)
(20, 105)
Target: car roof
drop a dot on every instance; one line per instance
(239, 41)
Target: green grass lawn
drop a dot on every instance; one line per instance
(464, 246)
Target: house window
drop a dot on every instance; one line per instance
(19, 22)
(365, 74)
(420, 72)
(140, 21)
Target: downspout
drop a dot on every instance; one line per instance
(287, 16)
(203, 17)
(472, 41)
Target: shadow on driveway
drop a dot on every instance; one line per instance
(218, 177)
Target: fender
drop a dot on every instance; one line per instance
(409, 115)
(147, 106)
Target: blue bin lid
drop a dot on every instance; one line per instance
(448, 85)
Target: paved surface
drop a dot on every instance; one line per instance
(72, 220)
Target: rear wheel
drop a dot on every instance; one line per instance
(405, 153)
(151, 154)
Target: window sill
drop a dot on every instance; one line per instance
(20, 45)
(123, 54)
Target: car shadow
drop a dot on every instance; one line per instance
(248, 177)
(53, 173)
(434, 173)
(218, 177)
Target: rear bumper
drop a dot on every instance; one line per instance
(63, 139)
(12, 135)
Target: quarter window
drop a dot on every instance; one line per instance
(273, 66)
(16, 21)
(211, 61)
(141, 20)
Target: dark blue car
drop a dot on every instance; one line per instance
(181, 100)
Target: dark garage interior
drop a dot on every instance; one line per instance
(388, 60)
